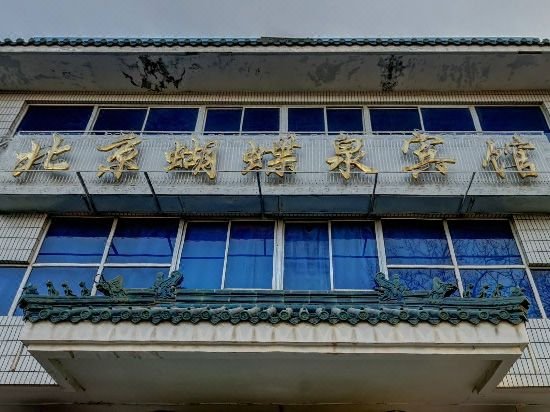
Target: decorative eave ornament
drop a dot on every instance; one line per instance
(391, 302)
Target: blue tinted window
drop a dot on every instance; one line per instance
(223, 120)
(506, 277)
(394, 120)
(354, 257)
(143, 241)
(447, 119)
(510, 118)
(306, 264)
(484, 242)
(56, 118)
(345, 120)
(416, 242)
(422, 279)
(59, 275)
(75, 240)
(261, 120)
(171, 120)
(120, 120)
(250, 255)
(542, 281)
(306, 120)
(203, 254)
(134, 278)
(10, 280)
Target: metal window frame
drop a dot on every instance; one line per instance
(279, 226)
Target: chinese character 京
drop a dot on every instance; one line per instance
(123, 158)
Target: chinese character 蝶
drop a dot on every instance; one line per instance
(426, 154)
(253, 158)
(348, 155)
(123, 157)
(25, 161)
(198, 158)
(284, 158)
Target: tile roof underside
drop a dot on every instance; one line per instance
(275, 41)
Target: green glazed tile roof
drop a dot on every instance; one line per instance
(275, 41)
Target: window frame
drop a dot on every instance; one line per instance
(278, 252)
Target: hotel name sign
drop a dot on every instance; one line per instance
(280, 158)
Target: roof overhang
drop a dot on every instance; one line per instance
(267, 65)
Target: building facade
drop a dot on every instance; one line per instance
(275, 224)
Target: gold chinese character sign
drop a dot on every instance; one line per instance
(197, 158)
(426, 154)
(519, 151)
(284, 157)
(25, 161)
(123, 157)
(348, 155)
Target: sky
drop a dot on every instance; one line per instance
(274, 18)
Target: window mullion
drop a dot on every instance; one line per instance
(331, 269)
(104, 256)
(280, 254)
(453, 257)
(421, 119)
(92, 118)
(382, 265)
(178, 246)
(27, 273)
(367, 128)
(145, 120)
(475, 118)
(225, 254)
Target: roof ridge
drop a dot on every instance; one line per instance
(273, 41)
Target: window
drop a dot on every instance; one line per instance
(418, 251)
(511, 118)
(350, 261)
(354, 255)
(344, 120)
(260, 120)
(140, 249)
(448, 119)
(310, 119)
(338, 120)
(10, 281)
(238, 254)
(250, 255)
(55, 119)
(395, 120)
(306, 257)
(223, 120)
(487, 255)
(484, 242)
(542, 281)
(70, 253)
(243, 250)
(171, 120)
(120, 119)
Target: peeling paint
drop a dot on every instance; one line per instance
(391, 69)
(153, 75)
